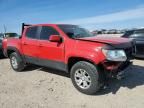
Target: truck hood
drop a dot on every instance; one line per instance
(114, 41)
(109, 40)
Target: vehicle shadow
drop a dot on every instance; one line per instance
(31, 67)
(133, 77)
(2, 57)
(48, 70)
(56, 72)
(138, 58)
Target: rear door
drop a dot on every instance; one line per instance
(30, 44)
(51, 54)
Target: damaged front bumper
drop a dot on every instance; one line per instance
(121, 73)
(116, 69)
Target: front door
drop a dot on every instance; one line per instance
(51, 54)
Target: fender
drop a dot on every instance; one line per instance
(94, 57)
(10, 48)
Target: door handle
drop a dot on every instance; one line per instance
(40, 45)
(25, 43)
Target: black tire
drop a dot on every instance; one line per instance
(20, 63)
(1, 54)
(92, 72)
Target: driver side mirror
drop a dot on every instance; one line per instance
(55, 38)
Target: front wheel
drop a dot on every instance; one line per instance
(85, 77)
(16, 62)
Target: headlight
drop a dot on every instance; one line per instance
(115, 55)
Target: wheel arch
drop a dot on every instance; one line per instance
(73, 60)
(11, 50)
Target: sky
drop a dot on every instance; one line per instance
(91, 14)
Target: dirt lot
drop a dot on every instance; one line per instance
(44, 88)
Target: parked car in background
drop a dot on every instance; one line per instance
(11, 35)
(112, 31)
(4, 37)
(138, 36)
(88, 59)
(96, 32)
(1, 38)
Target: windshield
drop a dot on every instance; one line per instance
(74, 31)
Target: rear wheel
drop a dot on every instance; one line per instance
(16, 62)
(85, 77)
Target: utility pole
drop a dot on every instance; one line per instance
(5, 29)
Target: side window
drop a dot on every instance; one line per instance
(46, 32)
(32, 32)
(139, 34)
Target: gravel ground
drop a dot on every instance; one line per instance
(39, 87)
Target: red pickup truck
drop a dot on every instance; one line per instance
(89, 59)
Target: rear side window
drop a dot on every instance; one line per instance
(46, 32)
(32, 32)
